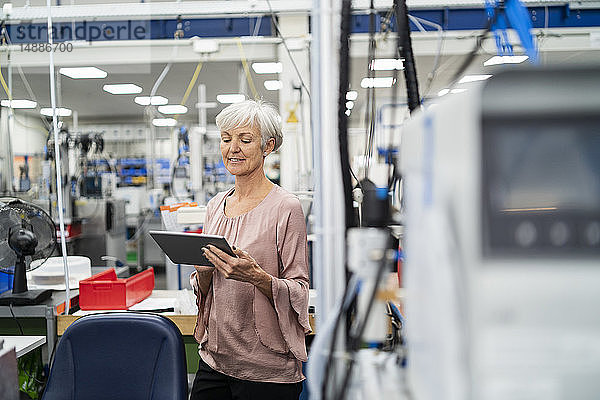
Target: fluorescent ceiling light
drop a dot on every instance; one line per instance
(497, 60)
(61, 112)
(377, 82)
(164, 122)
(386, 64)
(83, 73)
(474, 78)
(204, 46)
(352, 95)
(273, 85)
(230, 98)
(348, 112)
(443, 92)
(349, 105)
(267, 68)
(122, 88)
(456, 91)
(154, 100)
(173, 109)
(19, 103)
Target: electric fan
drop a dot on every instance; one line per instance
(27, 233)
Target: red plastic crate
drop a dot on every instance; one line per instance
(104, 291)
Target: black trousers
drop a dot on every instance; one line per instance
(212, 385)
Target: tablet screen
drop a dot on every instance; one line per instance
(186, 248)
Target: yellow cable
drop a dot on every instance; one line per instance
(4, 85)
(246, 69)
(191, 85)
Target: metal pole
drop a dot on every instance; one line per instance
(329, 246)
(57, 160)
(10, 128)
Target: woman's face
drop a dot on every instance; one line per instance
(241, 150)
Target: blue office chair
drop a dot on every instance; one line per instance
(119, 356)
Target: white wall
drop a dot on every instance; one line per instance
(28, 134)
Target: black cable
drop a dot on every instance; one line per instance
(344, 83)
(329, 365)
(274, 19)
(479, 41)
(355, 340)
(404, 45)
(354, 176)
(15, 318)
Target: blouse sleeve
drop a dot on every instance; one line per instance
(201, 303)
(290, 290)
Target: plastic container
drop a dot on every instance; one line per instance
(104, 291)
(52, 272)
(6, 279)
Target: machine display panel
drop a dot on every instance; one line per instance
(541, 186)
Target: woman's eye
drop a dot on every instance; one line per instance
(226, 140)
(246, 141)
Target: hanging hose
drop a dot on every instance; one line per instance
(370, 106)
(404, 44)
(342, 117)
(59, 191)
(190, 86)
(246, 68)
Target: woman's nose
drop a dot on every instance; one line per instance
(234, 145)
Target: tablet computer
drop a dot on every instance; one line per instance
(186, 248)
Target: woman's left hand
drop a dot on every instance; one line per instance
(242, 268)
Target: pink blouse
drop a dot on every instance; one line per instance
(241, 334)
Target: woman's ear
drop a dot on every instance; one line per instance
(269, 147)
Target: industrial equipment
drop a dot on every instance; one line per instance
(103, 229)
(502, 197)
(96, 175)
(49, 190)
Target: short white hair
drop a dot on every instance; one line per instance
(255, 114)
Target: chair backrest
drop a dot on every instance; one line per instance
(119, 356)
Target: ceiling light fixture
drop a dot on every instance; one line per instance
(267, 68)
(273, 85)
(377, 82)
(474, 78)
(122, 88)
(497, 60)
(154, 100)
(349, 105)
(83, 73)
(386, 64)
(230, 98)
(173, 109)
(164, 122)
(352, 95)
(443, 92)
(60, 112)
(18, 103)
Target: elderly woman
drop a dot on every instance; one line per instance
(253, 308)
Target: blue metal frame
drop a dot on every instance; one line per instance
(476, 18)
(449, 18)
(138, 29)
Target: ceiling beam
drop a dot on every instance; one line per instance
(240, 8)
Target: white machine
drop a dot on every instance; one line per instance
(502, 271)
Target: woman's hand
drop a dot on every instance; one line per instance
(242, 268)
